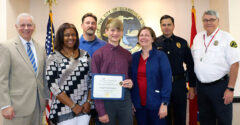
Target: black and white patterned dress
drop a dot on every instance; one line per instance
(75, 86)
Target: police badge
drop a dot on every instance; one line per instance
(178, 44)
(215, 43)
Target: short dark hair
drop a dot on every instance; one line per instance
(153, 35)
(166, 17)
(89, 15)
(59, 41)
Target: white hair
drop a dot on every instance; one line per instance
(24, 15)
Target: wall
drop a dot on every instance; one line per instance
(234, 19)
(3, 20)
(150, 11)
(222, 7)
(14, 7)
(234, 29)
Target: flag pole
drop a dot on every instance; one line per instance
(193, 108)
(50, 3)
(192, 4)
(50, 6)
(193, 27)
(193, 9)
(49, 48)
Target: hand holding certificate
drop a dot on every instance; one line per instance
(108, 86)
(127, 83)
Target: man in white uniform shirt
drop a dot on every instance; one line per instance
(216, 56)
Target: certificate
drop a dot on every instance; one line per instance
(107, 86)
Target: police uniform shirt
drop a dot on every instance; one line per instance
(178, 52)
(214, 61)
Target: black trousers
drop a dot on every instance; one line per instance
(119, 111)
(178, 103)
(147, 116)
(212, 110)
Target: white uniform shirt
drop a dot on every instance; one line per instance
(216, 62)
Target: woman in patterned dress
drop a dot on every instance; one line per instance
(67, 75)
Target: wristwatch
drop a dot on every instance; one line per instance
(231, 89)
(73, 106)
(90, 102)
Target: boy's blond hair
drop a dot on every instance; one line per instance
(114, 23)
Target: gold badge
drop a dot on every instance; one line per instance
(178, 45)
(215, 43)
(121, 83)
(233, 44)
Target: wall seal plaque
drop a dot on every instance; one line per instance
(132, 22)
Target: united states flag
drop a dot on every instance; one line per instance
(49, 45)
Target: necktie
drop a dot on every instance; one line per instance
(31, 56)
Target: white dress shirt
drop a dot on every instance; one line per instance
(24, 42)
(214, 63)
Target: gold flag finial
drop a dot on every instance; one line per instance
(50, 2)
(192, 3)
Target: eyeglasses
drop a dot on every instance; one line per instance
(210, 20)
(68, 35)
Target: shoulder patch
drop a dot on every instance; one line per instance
(233, 44)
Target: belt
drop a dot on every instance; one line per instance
(215, 82)
(178, 77)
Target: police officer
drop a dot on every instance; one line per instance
(216, 57)
(178, 53)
